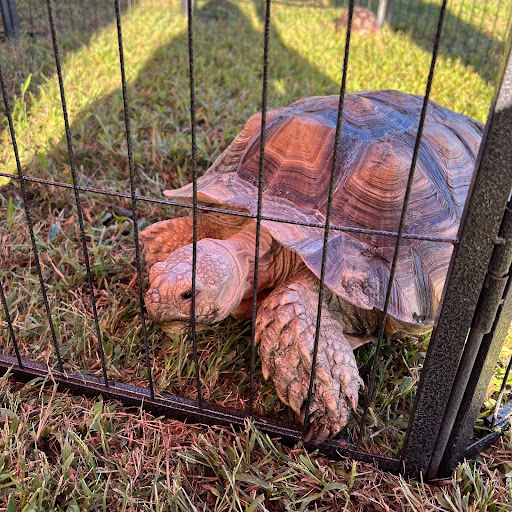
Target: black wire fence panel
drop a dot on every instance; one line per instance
(73, 278)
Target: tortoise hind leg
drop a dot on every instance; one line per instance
(285, 331)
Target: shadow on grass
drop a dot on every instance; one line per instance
(482, 49)
(71, 16)
(31, 54)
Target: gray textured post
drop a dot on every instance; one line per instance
(384, 12)
(184, 6)
(10, 18)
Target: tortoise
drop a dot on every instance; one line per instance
(378, 134)
(363, 21)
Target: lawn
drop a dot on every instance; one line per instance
(116, 458)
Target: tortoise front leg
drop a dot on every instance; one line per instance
(285, 331)
(164, 237)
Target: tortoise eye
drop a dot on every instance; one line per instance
(186, 295)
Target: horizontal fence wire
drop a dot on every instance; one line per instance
(133, 199)
(74, 177)
(260, 200)
(28, 216)
(373, 371)
(236, 213)
(330, 196)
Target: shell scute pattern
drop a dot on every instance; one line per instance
(379, 130)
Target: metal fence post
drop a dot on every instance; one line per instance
(481, 352)
(483, 214)
(184, 6)
(487, 358)
(384, 12)
(10, 18)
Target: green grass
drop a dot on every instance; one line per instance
(306, 57)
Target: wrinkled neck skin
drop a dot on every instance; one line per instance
(275, 265)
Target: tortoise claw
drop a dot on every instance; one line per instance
(317, 433)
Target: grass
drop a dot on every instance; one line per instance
(110, 458)
(305, 60)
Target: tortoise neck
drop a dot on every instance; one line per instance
(276, 264)
(242, 247)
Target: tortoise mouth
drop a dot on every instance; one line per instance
(180, 327)
(176, 327)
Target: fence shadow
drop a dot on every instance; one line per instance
(482, 49)
(29, 58)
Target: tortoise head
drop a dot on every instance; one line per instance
(220, 286)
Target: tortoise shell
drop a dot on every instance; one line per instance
(378, 134)
(363, 21)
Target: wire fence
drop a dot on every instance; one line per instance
(450, 368)
(474, 29)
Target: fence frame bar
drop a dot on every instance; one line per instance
(183, 409)
(487, 314)
(480, 223)
(10, 18)
(457, 447)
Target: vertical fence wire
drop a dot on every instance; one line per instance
(468, 27)
(496, 16)
(479, 32)
(457, 23)
(82, 6)
(501, 393)
(30, 223)
(260, 199)
(71, 14)
(373, 371)
(416, 18)
(194, 192)
(427, 18)
(133, 198)
(508, 28)
(75, 189)
(9, 325)
(408, 15)
(95, 12)
(31, 15)
(332, 178)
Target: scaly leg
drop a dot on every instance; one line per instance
(285, 331)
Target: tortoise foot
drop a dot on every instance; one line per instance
(285, 331)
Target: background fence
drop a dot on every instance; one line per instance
(72, 345)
